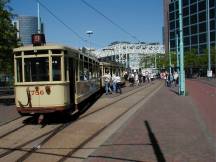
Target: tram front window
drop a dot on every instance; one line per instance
(19, 69)
(56, 66)
(36, 69)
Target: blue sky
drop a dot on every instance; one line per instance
(141, 18)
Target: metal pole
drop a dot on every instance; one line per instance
(38, 16)
(181, 52)
(170, 70)
(209, 72)
(177, 61)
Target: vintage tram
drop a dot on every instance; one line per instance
(53, 78)
(112, 68)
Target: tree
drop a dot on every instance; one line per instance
(8, 38)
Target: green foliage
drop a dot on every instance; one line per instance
(8, 38)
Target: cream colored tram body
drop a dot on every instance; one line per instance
(112, 68)
(53, 78)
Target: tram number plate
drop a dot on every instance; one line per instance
(37, 93)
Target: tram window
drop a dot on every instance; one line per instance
(56, 51)
(76, 69)
(56, 67)
(90, 71)
(19, 69)
(36, 69)
(36, 52)
(81, 70)
(86, 72)
(86, 59)
(17, 53)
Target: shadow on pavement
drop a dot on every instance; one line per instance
(154, 142)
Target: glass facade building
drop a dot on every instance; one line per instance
(194, 24)
(27, 25)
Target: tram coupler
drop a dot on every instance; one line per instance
(40, 118)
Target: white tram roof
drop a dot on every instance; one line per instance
(52, 46)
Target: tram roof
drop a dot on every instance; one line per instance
(43, 47)
(51, 46)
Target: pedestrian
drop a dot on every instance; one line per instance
(175, 76)
(136, 79)
(118, 84)
(107, 80)
(114, 83)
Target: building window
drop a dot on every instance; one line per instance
(172, 16)
(193, 1)
(172, 25)
(171, 7)
(185, 11)
(202, 48)
(194, 39)
(186, 21)
(202, 16)
(193, 29)
(202, 38)
(186, 41)
(172, 35)
(212, 13)
(186, 31)
(193, 8)
(193, 19)
(212, 25)
(211, 3)
(202, 5)
(202, 27)
(172, 44)
(212, 36)
(185, 2)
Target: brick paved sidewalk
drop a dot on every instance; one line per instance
(168, 128)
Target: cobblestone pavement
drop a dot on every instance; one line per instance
(168, 128)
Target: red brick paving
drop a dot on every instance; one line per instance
(204, 97)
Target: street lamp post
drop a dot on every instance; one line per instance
(89, 33)
(181, 53)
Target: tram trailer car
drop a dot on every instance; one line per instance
(112, 68)
(53, 78)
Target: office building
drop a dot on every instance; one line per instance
(26, 26)
(195, 23)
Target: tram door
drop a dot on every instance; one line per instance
(72, 80)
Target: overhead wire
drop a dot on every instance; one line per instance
(110, 20)
(61, 21)
(67, 26)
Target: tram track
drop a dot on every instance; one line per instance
(70, 154)
(50, 134)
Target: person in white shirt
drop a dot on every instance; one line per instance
(107, 79)
(118, 84)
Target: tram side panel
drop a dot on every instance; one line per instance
(42, 98)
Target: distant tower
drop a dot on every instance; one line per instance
(26, 26)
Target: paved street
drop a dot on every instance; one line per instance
(168, 128)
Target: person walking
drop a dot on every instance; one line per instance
(118, 84)
(114, 82)
(107, 79)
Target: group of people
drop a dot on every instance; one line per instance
(170, 78)
(112, 83)
(137, 78)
